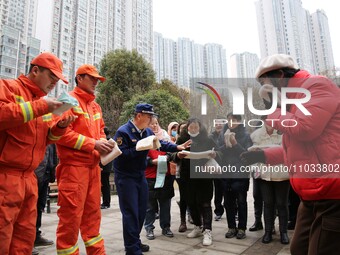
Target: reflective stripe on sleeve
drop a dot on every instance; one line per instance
(27, 111)
(68, 251)
(47, 117)
(96, 116)
(79, 142)
(93, 241)
(53, 137)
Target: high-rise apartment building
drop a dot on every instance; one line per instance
(322, 45)
(17, 30)
(216, 61)
(83, 31)
(183, 60)
(243, 65)
(284, 26)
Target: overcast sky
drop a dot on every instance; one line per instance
(231, 23)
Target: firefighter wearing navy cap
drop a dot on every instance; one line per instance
(130, 180)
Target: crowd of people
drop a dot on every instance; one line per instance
(144, 178)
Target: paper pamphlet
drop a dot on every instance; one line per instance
(107, 158)
(68, 102)
(197, 155)
(149, 143)
(261, 147)
(162, 168)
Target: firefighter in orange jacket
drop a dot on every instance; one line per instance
(25, 130)
(78, 172)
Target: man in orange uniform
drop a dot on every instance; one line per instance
(78, 172)
(24, 134)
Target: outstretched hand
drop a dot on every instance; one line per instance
(184, 146)
(252, 157)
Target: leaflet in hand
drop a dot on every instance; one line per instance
(68, 102)
(107, 158)
(149, 143)
(197, 155)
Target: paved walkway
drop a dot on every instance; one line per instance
(111, 230)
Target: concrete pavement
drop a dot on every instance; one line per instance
(111, 230)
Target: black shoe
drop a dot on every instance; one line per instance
(41, 241)
(104, 207)
(144, 247)
(231, 233)
(284, 238)
(218, 217)
(256, 226)
(241, 234)
(35, 251)
(167, 232)
(149, 234)
(156, 216)
(267, 238)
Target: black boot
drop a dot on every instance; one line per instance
(267, 238)
(284, 238)
(256, 226)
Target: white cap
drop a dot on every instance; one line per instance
(275, 62)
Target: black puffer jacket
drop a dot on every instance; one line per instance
(236, 181)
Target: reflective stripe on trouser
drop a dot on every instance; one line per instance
(18, 212)
(79, 201)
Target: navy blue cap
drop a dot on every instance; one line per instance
(145, 108)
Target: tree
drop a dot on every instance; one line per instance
(127, 74)
(169, 107)
(182, 93)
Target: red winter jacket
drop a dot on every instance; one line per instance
(311, 150)
(151, 171)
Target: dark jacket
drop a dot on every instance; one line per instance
(237, 181)
(132, 163)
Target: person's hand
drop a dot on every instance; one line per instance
(266, 93)
(252, 157)
(229, 139)
(232, 139)
(52, 103)
(181, 155)
(184, 146)
(103, 146)
(65, 121)
(212, 154)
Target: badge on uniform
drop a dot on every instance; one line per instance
(134, 140)
(133, 130)
(119, 140)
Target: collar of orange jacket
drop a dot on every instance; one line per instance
(36, 91)
(84, 95)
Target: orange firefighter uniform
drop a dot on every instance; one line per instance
(24, 133)
(78, 178)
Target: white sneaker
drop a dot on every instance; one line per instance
(196, 232)
(207, 237)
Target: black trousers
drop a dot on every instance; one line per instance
(218, 198)
(258, 200)
(106, 192)
(42, 196)
(275, 194)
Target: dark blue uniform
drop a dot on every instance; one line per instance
(131, 184)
